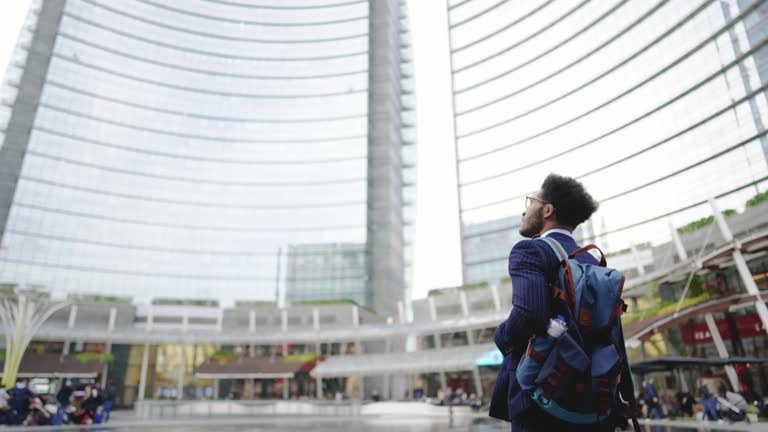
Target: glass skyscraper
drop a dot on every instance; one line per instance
(656, 106)
(154, 149)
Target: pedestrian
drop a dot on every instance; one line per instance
(64, 398)
(709, 403)
(552, 213)
(21, 399)
(92, 403)
(652, 400)
(5, 411)
(686, 401)
(110, 393)
(3, 397)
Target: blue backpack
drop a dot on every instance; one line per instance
(583, 377)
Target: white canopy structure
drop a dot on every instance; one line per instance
(438, 360)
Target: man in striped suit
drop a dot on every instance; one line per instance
(554, 211)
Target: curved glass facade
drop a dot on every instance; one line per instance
(192, 150)
(655, 106)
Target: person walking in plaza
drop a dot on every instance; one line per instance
(652, 400)
(6, 415)
(708, 402)
(64, 398)
(109, 399)
(21, 396)
(552, 213)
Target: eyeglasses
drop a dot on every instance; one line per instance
(530, 199)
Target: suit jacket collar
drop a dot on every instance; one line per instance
(557, 230)
(565, 240)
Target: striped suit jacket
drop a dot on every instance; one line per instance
(532, 266)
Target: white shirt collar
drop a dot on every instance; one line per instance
(557, 230)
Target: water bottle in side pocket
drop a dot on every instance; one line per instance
(538, 350)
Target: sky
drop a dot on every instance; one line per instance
(437, 254)
(12, 15)
(437, 251)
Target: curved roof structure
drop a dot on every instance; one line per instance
(655, 107)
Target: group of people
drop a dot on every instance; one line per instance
(20, 405)
(720, 407)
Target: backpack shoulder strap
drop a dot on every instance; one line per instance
(556, 246)
(567, 291)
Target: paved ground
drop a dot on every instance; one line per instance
(125, 421)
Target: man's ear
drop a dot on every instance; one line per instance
(549, 210)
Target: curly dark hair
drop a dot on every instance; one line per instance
(573, 204)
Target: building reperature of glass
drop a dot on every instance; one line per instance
(660, 108)
(155, 150)
(486, 246)
(309, 267)
(655, 106)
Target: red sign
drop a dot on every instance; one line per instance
(747, 326)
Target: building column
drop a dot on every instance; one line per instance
(721, 350)
(181, 373)
(478, 382)
(679, 248)
(110, 329)
(749, 283)
(496, 297)
(636, 258)
(105, 371)
(443, 379)
(362, 387)
(443, 383)
(319, 389)
(316, 327)
(683, 381)
(409, 377)
(150, 318)
(741, 265)
(465, 313)
(143, 375)
(15, 141)
(432, 308)
(384, 227)
(70, 326)
(284, 328)
(286, 388)
(387, 393)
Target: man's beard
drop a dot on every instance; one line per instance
(535, 226)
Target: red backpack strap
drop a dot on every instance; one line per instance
(603, 262)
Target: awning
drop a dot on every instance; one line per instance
(750, 245)
(53, 365)
(259, 367)
(645, 328)
(665, 364)
(437, 360)
(492, 357)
